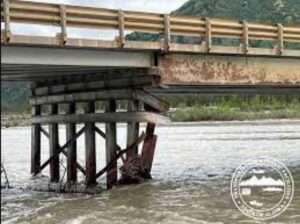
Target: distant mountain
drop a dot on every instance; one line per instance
(269, 11)
(14, 96)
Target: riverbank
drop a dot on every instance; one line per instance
(15, 119)
(229, 108)
(195, 108)
(192, 114)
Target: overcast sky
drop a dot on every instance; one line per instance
(162, 6)
(159, 6)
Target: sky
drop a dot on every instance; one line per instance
(158, 6)
(161, 6)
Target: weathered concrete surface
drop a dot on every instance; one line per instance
(189, 69)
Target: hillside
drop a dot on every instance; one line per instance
(269, 11)
(15, 96)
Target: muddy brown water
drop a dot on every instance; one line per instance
(191, 177)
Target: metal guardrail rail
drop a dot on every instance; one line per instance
(65, 16)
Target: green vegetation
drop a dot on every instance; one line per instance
(269, 11)
(200, 108)
(15, 97)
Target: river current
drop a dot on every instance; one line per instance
(191, 173)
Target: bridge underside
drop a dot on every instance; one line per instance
(183, 69)
(179, 73)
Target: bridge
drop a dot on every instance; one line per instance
(185, 55)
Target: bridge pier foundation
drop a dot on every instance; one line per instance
(142, 108)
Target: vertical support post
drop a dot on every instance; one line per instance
(35, 142)
(63, 24)
(149, 145)
(90, 148)
(280, 39)
(111, 143)
(72, 148)
(208, 34)
(7, 32)
(245, 37)
(121, 19)
(149, 148)
(54, 146)
(132, 129)
(167, 33)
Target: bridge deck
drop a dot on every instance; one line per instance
(124, 22)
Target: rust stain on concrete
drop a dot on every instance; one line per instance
(187, 69)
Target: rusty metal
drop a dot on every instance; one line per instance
(188, 69)
(149, 148)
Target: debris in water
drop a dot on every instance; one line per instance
(133, 171)
(3, 171)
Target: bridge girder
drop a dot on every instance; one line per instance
(178, 70)
(197, 69)
(23, 62)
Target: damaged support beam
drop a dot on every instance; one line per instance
(148, 149)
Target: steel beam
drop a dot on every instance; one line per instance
(71, 56)
(197, 69)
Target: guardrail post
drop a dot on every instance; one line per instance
(280, 39)
(167, 33)
(63, 23)
(121, 18)
(6, 10)
(208, 34)
(245, 37)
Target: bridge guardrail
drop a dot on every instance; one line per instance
(65, 16)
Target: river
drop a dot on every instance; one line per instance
(191, 177)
